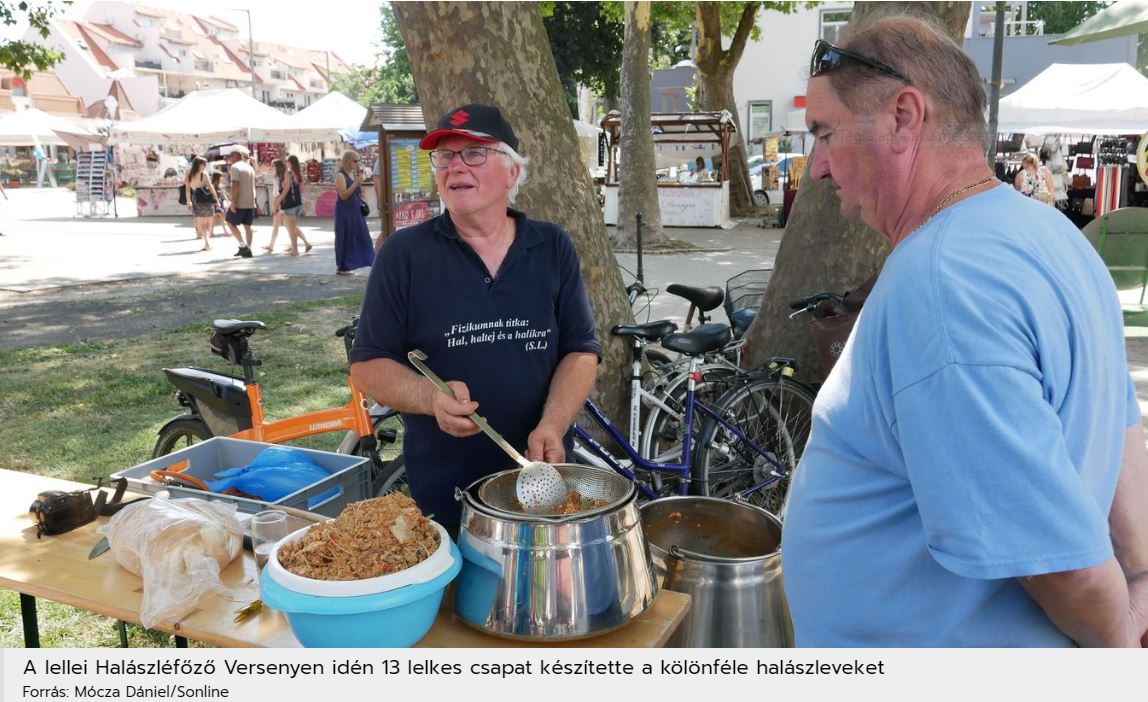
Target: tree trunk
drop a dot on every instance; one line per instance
(498, 54)
(821, 251)
(715, 91)
(638, 188)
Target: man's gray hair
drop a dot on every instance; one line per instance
(521, 162)
(936, 64)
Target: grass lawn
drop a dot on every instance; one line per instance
(92, 409)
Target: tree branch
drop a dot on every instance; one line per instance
(745, 25)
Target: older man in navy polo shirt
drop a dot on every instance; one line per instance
(497, 302)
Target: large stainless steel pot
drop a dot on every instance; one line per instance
(727, 557)
(553, 578)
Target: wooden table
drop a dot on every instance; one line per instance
(57, 568)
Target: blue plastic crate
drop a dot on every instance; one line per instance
(350, 476)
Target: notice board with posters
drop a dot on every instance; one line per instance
(412, 193)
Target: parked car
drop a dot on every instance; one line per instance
(757, 164)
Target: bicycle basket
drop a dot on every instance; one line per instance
(829, 335)
(745, 290)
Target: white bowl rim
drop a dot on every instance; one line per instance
(438, 563)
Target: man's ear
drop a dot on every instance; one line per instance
(909, 110)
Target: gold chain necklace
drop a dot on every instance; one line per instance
(961, 191)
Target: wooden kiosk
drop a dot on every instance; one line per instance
(682, 204)
(408, 194)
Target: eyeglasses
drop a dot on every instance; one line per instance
(471, 156)
(827, 57)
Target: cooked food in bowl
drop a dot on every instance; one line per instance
(575, 503)
(375, 537)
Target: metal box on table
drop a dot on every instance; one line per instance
(349, 475)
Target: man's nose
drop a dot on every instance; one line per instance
(819, 169)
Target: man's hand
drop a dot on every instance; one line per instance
(452, 413)
(232, 207)
(545, 444)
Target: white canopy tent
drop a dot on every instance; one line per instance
(325, 120)
(33, 127)
(1101, 98)
(203, 117)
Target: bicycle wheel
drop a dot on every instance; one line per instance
(180, 433)
(775, 414)
(392, 477)
(388, 472)
(657, 359)
(662, 433)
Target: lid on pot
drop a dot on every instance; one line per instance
(589, 491)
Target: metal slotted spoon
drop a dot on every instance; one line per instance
(540, 487)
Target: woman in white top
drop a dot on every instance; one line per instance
(1035, 180)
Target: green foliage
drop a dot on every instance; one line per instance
(390, 79)
(22, 57)
(1060, 17)
(587, 48)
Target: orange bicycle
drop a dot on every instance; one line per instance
(219, 404)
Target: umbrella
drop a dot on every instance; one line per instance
(358, 139)
(217, 152)
(32, 127)
(1121, 19)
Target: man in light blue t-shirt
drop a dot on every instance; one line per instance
(976, 474)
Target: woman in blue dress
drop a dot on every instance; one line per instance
(353, 247)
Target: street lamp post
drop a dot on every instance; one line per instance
(250, 47)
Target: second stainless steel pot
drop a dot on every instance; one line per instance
(727, 557)
(552, 578)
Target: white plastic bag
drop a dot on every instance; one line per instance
(179, 548)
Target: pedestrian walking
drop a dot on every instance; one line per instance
(280, 167)
(201, 200)
(220, 206)
(296, 172)
(241, 211)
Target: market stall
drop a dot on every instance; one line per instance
(327, 121)
(171, 135)
(1086, 120)
(686, 198)
(43, 133)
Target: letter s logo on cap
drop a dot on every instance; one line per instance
(459, 118)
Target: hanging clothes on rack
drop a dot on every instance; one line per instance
(1109, 186)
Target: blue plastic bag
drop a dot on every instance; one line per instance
(276, 472)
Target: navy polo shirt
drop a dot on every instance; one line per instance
(502, 335)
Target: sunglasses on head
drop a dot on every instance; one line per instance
(827, 58)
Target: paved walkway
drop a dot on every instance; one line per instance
(44, 247)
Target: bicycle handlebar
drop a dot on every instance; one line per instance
(342, 331)
(814, 299)
(819, 305)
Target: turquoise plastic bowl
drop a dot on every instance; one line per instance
(395, 619)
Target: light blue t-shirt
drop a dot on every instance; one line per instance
(970, 434)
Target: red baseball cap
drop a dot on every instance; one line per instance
(482, 122)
